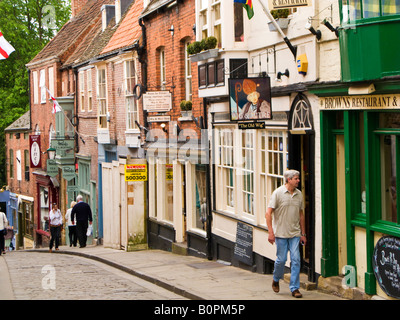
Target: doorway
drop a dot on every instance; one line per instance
(301, 151)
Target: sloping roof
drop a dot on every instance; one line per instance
(21, 124)
(72, 33)
(128, 31)
(154, 5)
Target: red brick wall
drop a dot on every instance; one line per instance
(87, 127)
(182, 17)
(22, 143)
(76, 6)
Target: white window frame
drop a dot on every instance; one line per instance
(43, 93)
(89, 90)
(35, 87)
(188, 74)
(130, 79)
(102, 97)
(246, 169)
(82, 90)
(163, 81)
(225, 165)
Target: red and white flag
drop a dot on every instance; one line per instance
(56, 106)
(5, 48)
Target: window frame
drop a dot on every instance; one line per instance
(131, 108)
(102, 87)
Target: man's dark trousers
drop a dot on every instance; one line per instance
(81, 229)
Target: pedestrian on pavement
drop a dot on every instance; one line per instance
(3, 231)
(83, 214)
(287, 229)
(56, 222)
(71, 226)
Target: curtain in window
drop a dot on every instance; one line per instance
(390, 7)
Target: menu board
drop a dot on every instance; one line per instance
(244, 243)
(386, 263)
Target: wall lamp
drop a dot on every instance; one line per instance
(172, 30)
(330, 27)
(316, 33)
(51, 153)
(162, 125)
(280, 74)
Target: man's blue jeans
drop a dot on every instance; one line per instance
(283, 245)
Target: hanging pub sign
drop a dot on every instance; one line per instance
(68, 172)
(52, 167)
(34, 149)
(386, 264)
(250, 99)
(283, 4)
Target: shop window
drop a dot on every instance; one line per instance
(169, 192)
(274, 157)
(201, 200)
(248, 171)
(27, 212)
(225, 169)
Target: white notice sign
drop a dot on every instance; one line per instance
(157, 101)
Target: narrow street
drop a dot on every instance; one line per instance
(42, 276)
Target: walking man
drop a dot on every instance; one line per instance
(83, 215)
(56, 221)
(287, 229)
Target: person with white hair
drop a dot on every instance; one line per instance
(83, 214)
(287, 229)
(71, 226)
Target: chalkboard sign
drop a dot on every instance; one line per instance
(244, 243)
(386, 263)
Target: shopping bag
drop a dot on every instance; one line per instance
(89, 231)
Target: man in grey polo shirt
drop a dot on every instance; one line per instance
(287, 229)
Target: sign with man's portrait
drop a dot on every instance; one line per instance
(250, 99)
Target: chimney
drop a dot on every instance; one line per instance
(120, 8)
(108, 12)
(76, 6)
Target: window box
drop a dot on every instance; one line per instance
(282, 23)
(204, 55)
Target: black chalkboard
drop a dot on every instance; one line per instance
(386, 264)
(244, 243)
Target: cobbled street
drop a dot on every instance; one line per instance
(45, 276)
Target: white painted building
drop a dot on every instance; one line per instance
(248, 164)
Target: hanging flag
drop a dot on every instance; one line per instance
(56, 106)
(5, 48)
(248, 5)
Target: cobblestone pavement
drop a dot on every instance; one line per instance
(42, 276)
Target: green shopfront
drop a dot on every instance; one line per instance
(360, 142)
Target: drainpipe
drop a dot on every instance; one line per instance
(141, 50)
(208, 189)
